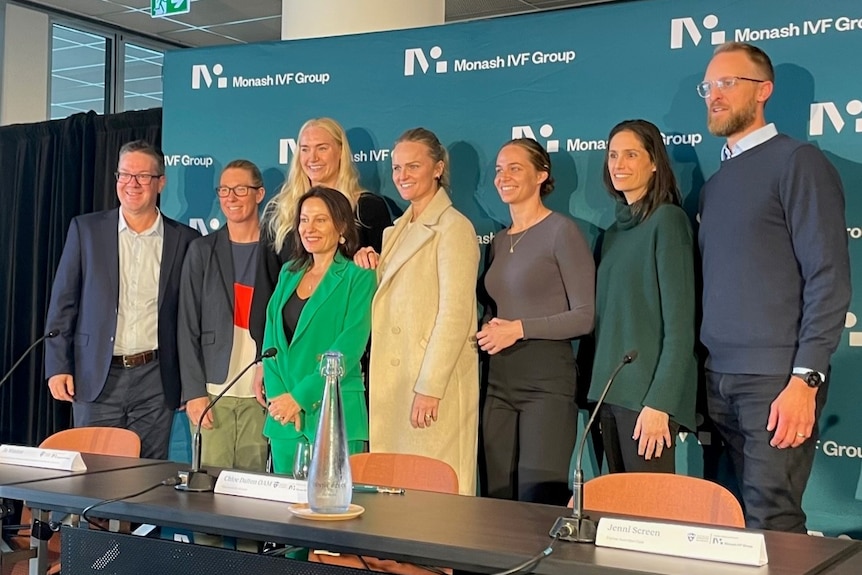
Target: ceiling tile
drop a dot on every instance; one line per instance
(138, 21)
(466, 9)
(259, 31)
(90, 8)
(238, 21)
(192, 37)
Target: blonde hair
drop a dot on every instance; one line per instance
(280, 212)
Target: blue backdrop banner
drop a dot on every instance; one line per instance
(564, 78)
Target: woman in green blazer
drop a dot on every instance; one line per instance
(322, 302)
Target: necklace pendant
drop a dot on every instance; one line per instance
(511, 249)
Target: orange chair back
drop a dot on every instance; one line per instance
(664, 496)
(404, 470)
(395, 470)
(99, 440)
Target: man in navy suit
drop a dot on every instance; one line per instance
(114, 302)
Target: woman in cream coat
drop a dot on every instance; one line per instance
(424, 378)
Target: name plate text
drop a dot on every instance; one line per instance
(711, 544)
(44, 458)
(262, 486)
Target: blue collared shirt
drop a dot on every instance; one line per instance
(755, 138)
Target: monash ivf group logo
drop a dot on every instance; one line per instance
(201, 73)
(545, 130)
(579, 144)
(691, 31)
(680, 28)
(854, 338)
(830, 110)
(417, 56)
(419, 61)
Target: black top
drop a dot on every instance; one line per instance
(290, 314)
(372, 217)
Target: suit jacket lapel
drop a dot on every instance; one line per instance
(420, 233)
(169, 253)
(224, 257)
(111, 238)
(330, 282)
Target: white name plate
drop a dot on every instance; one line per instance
(712, 544)
(45, 458)
(262, 486)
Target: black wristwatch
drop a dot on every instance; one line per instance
(812, 378)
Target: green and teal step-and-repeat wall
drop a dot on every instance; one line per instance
(564, 78)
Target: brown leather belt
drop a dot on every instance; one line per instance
(135, 360)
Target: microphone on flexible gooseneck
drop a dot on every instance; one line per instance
(6, 508)
(579, 527)
(197, 479)
(50, 334)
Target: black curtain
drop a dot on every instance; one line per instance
(50, 173)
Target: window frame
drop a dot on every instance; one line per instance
(116, 40)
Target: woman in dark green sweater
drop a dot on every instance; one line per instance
(644, 302)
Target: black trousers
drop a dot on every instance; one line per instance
(133, 399)
(529, 422)
(621, 451)
(772, 481)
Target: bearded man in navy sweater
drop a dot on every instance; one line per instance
(776, 277)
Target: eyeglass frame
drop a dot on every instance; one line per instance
(235, 190)
(128, 178)
(722, 84)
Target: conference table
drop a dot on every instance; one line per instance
(466, 533)
(95, 463)
(11, 474)
(852, 565)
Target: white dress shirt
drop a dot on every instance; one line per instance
(138, 306)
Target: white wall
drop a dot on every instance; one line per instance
(320, 18)
(25, 51)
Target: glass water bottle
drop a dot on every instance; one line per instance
(330, 486)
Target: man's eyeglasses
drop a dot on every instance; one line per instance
(239, 191)
(142, 179)
(704, 89)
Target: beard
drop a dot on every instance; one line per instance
(736, 122)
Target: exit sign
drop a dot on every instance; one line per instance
(159, 8)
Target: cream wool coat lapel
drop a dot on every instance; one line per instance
(423, 338)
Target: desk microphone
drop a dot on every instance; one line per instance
(52, 333)
(6, 508)
(579, 527)
(197, 479)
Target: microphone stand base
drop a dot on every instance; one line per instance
(195, 481)
(576, 529)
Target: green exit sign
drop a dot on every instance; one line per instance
(159, 8)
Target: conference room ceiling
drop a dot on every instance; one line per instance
(218, 22)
